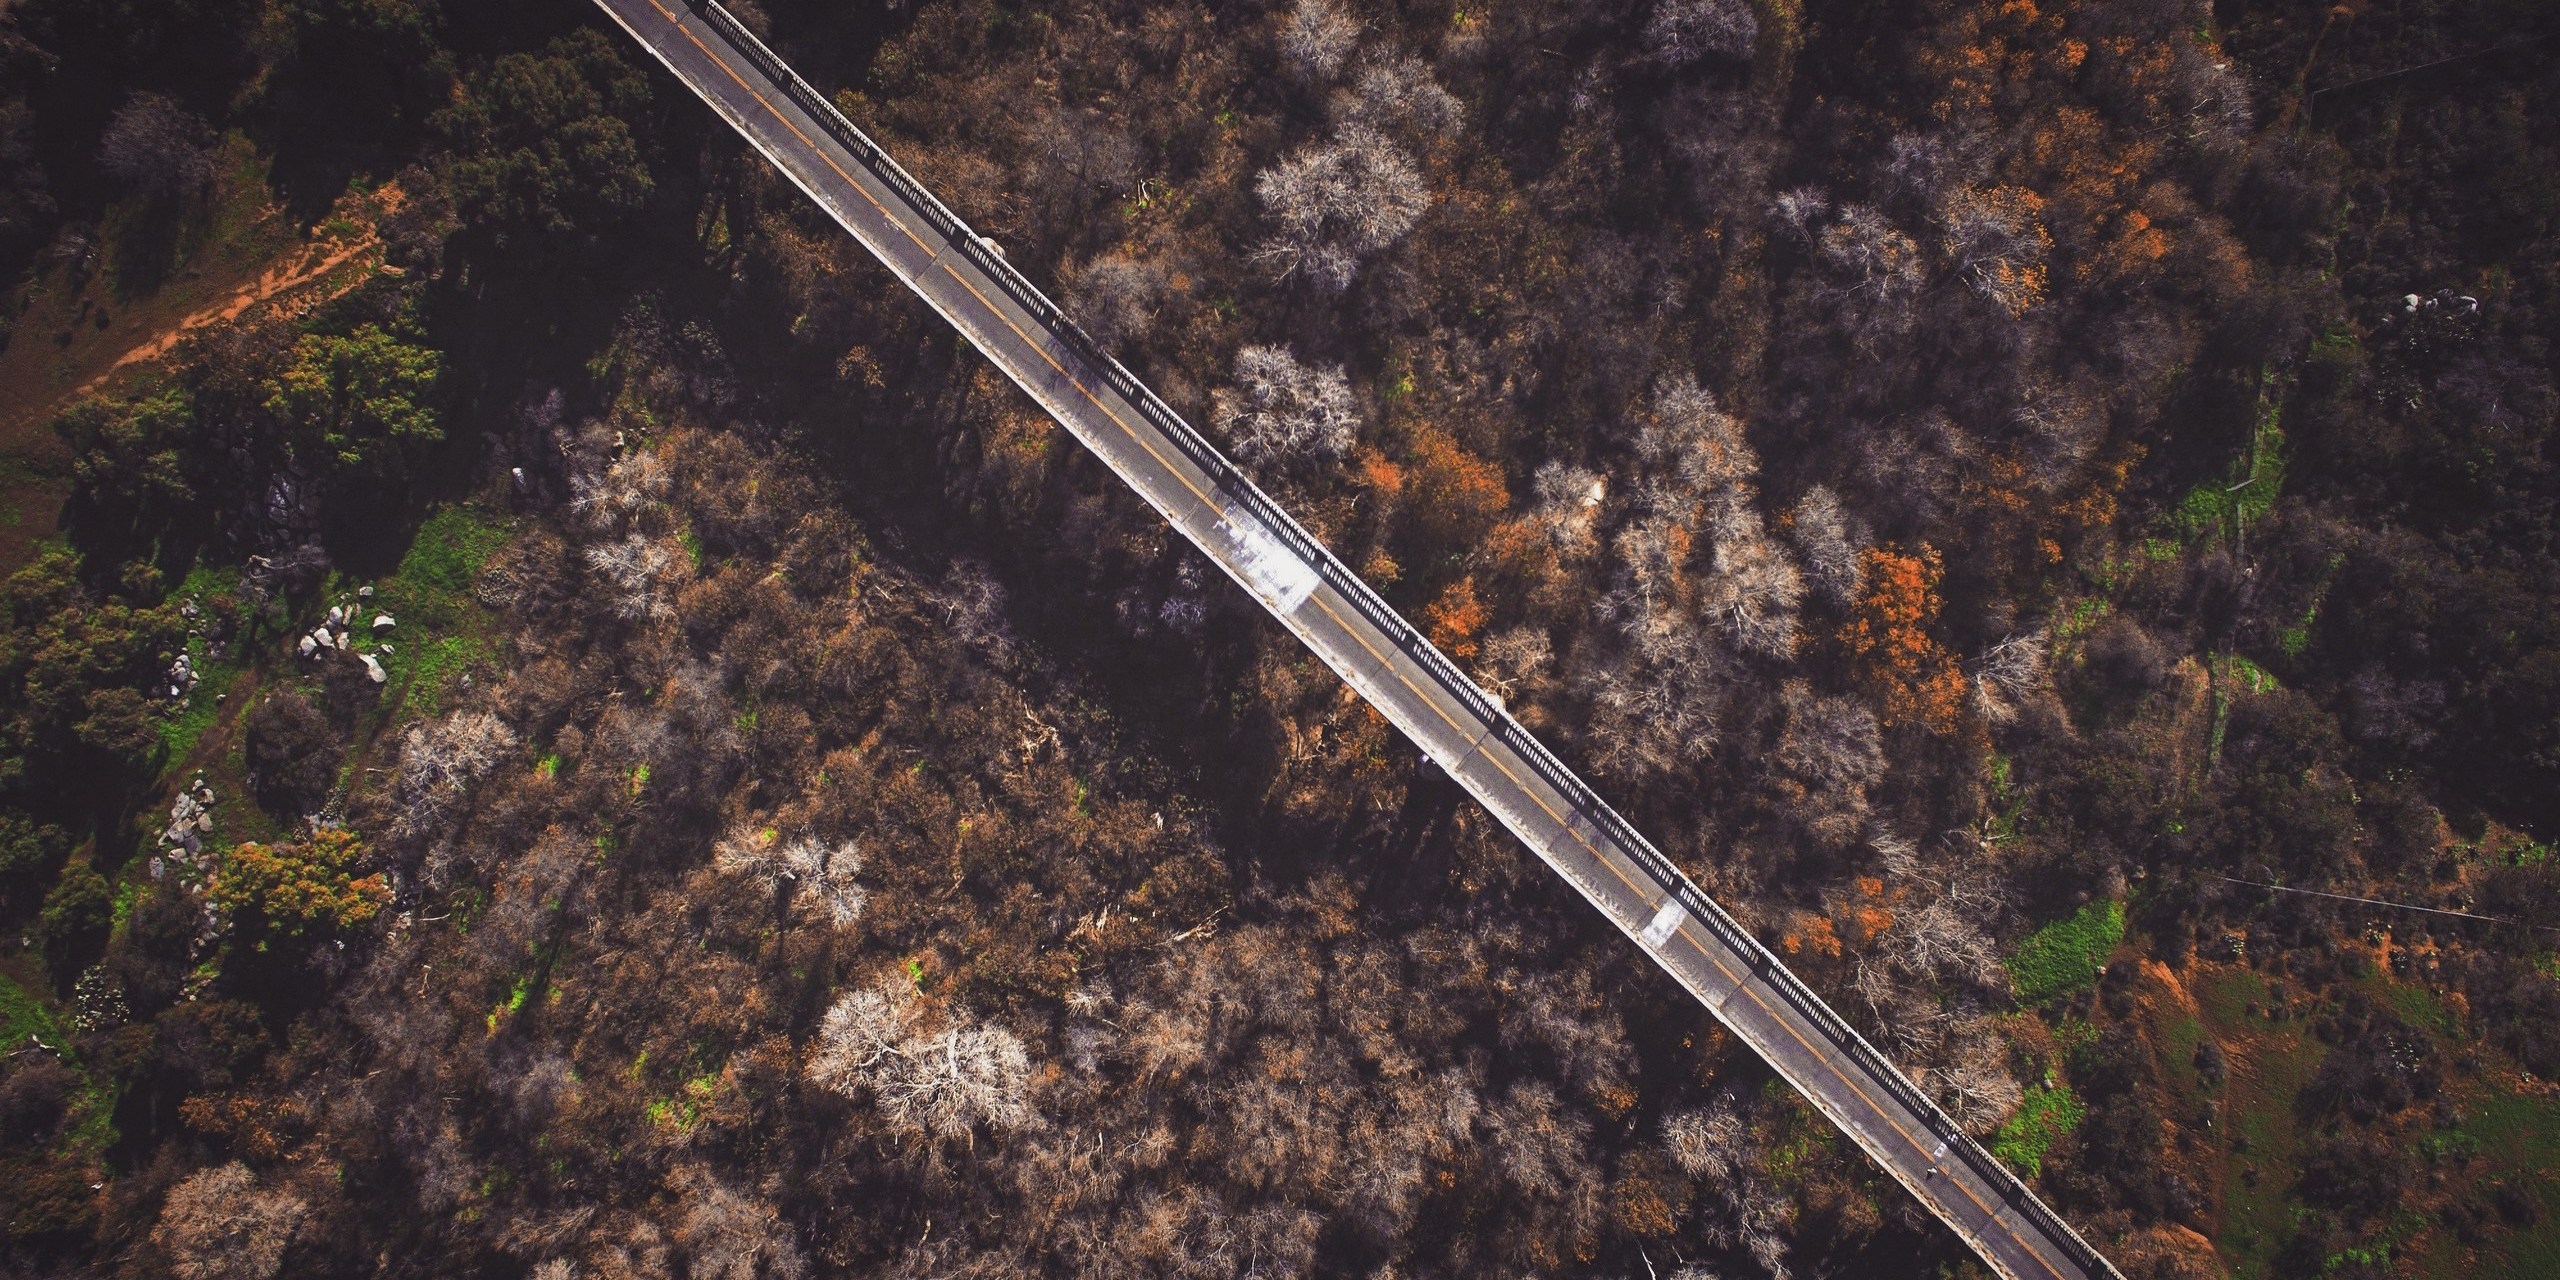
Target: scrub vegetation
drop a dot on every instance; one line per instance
(581, 734)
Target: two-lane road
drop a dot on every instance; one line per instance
(966, 280)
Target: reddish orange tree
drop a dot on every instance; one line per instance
(1888, 642)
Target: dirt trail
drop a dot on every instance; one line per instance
(315, 263)
(278, 279)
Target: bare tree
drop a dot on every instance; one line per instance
(441, 760)
(1996, 242)
(1398, 93)
(607, 499)
(2008, 674)
(726, 1235)
(940, 1083)
(1338, 203)
(157, 148)
(1116, 299)
(1315, 40)
(1831, 553)
(1684, 31)
(218, 1225)
(1569, 501)
(1285, 414)
(1798, 209)
(638, 573)
(973, 604)
(1540, 1144)
(1975, 1082)
(1710, 1143)
(1829, 754)
(825, 873)
(1947, 937)
(1687, 441)
(1755, 587)
(1862, 247)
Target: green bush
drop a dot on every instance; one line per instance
(2043, 1115)
(2066, 955)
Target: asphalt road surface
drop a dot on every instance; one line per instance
(1384, 659)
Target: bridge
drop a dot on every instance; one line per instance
(965, 277)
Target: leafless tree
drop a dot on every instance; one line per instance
(1539, 1143)
(1116, 299)
(218, 1225)
(1687, 441)
(1710, 1143)
(1515, 660)
(1569, 501)
(2009, 673)
(1947, 938)
(1337, 203)
(972, 604)
(1315, 40)
(441, 760)
(940, 1083)
(1684, 31)
(726, 1235)
(608, 498)
(157, 148)
(1398, 94)
(1830, 753)
(1755, 587)
(2063, 426)
(1799, 209)
(1996, 242)
(638, 573)
(1285, 414)
(1657, 709)
(1831, 552)
(1863, 248)
(825, 873)
(1975, 1082)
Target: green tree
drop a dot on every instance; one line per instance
(540, 150)
(27, 851)
(366, 399)
(132, 472)
(72, 671)
(80, 905)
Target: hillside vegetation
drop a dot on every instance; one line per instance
(599, 741)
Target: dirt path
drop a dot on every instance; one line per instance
(281, 278)
(314, 263)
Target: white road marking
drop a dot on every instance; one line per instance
(1665, 923)
(1273, 573)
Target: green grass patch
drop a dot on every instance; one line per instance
(2066, 955)
(2271, 1062)
(441, 631)
(2223, 508)
(23, 1015)
(2519, 1137)
(2044, 1115)
(451, 548)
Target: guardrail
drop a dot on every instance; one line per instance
(1241, 490)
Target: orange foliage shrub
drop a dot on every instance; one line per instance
(1888, 642)
(1455, 619)
(1452, 496)
(299, 888)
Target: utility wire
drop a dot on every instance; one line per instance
(2378, 902)
(2425, 66)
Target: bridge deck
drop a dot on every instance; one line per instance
(1383, 658)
